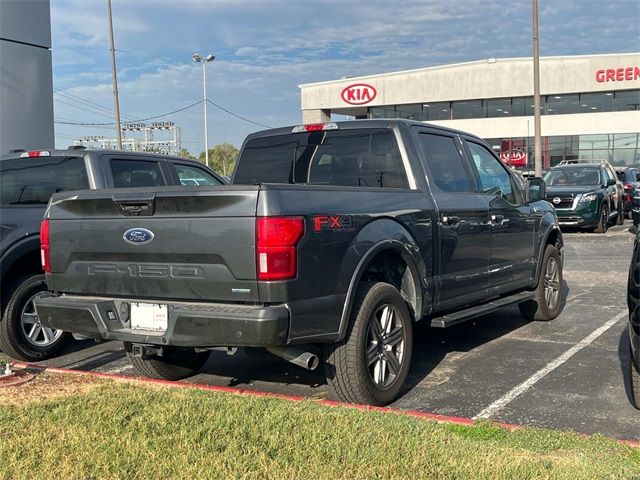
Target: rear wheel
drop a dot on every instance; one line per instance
(371, 364)
(634, 382)
(603, 222)
(545, 305)
(22, 337)
(174, 364)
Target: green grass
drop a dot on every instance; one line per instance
(123, 430)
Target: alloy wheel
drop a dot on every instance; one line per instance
(385, 352)
(551, 284)
(35, 333)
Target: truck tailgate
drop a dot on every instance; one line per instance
(185, 244)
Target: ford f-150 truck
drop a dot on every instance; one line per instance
(27, 181)
(332, 240)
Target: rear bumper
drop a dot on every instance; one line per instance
(188, 325)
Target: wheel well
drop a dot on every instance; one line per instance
(27, 264)
(555, 239)
(389, 266)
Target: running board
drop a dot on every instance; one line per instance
(478, 310)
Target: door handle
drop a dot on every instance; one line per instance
(450, 220)
(497, 218)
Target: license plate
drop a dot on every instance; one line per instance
(149, 316)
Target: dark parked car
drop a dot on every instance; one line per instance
(633, 301)
(630, 178)
(27, 180)
(334, 237)
(587, 195)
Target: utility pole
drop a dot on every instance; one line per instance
(537, 145)
(116, 101)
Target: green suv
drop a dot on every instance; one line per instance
(587, 195)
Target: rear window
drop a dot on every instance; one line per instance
(33, 181)
(356, 158)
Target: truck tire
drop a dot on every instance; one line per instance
(634, 382)
(174, 364)
(369, 366)
(621, 215)
(603, 222)
(545, 305)
(21, 335)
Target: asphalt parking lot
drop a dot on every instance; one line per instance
(567, 374)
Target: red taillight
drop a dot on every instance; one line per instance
(44, 245)
(276, 240)
(628, 186)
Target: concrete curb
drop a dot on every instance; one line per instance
(292, 398)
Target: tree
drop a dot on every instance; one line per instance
(222, 158)
(184, 153)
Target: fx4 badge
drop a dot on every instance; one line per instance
(332, 223)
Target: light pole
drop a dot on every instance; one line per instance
(114, 79)
(204, 60)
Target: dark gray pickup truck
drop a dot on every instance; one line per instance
(331, 242)
(27, 181)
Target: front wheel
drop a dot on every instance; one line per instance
(603, 222)
(372, 362)
(174, 364)
(545, 304)
(22, 337)
(621, 215)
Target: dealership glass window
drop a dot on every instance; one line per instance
(412, 111)
(436, 111)
(562, 104)
(498, 107)
(523, 106)
(467, 109)
(595, 142)
(627, 100)
(596, 102)
(626, 140)
(383, 112)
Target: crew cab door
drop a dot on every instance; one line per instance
(511, 262)
(462, 233)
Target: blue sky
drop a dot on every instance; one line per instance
(265, 48)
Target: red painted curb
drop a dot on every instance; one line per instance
(293, 398)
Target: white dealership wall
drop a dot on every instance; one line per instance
(486, 79)
(26, 89)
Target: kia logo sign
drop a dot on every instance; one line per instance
(358, 94)
(514, 157)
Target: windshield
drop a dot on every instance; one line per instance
(573, 176)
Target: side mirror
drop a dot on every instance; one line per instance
(536, 189)
(611, 181)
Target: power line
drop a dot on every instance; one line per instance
(237, 116)
(133, 121)
(95, 112)
(84, 101)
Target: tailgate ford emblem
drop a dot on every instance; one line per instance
(138, 236)
(557, 200)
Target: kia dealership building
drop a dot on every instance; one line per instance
(590, 104)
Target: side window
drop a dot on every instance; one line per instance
(32, 182)
(190, 175)
(493, 176)
(444, 163)
(136, 173)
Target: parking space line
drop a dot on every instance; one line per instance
(548, 368)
